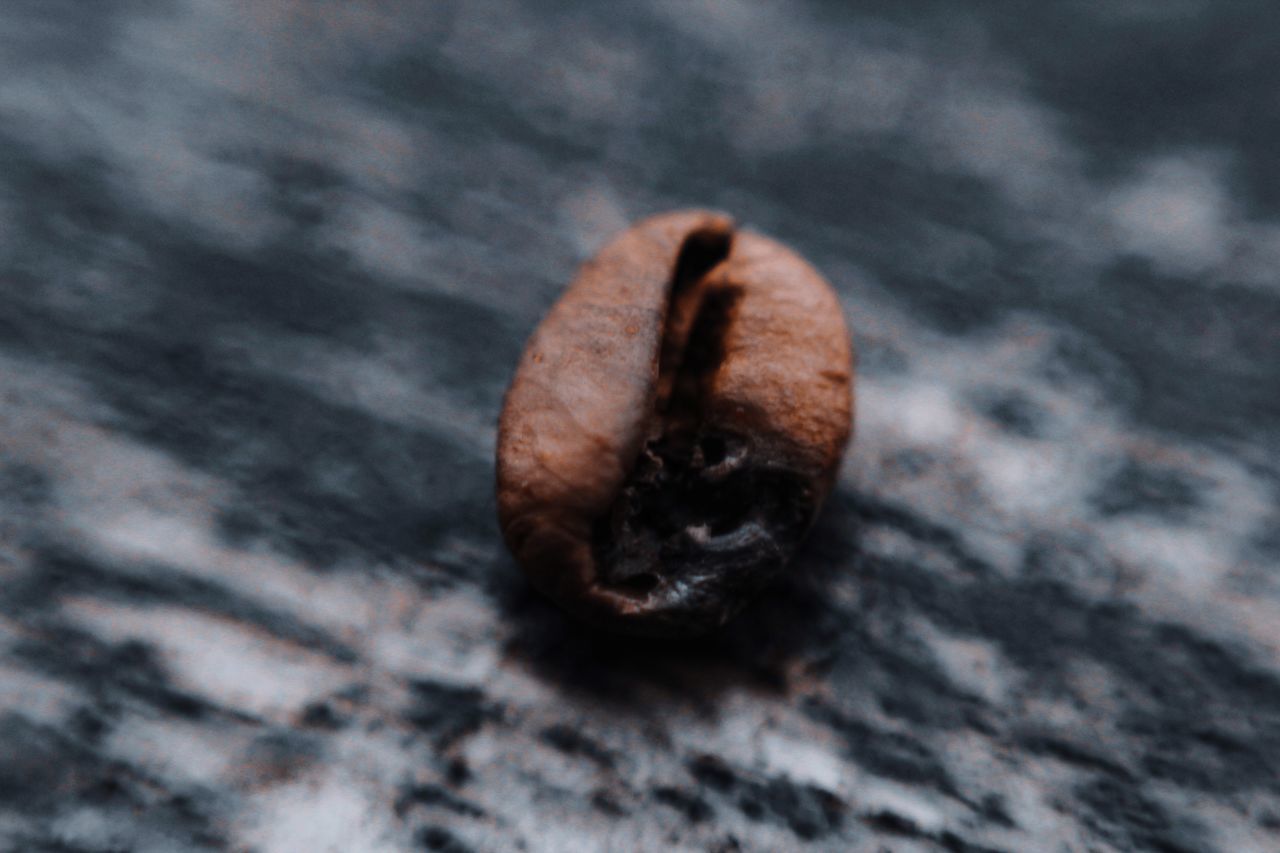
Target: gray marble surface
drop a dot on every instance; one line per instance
(265, 271)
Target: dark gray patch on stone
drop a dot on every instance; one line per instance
(448, 712)
(434, 796)
(1128, 819)
(1076, 754)
(571, 741)
(607, 804)
(437, 838)
(1140, 488)
(1013, 412)
(694, 808)
(807, 810)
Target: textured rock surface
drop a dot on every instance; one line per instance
(266, 268)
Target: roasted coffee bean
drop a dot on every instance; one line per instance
(674, 425)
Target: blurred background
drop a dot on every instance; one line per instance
(266, 269)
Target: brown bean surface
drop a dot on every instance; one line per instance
(674, 425)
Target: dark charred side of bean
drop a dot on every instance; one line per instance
(702, 521)
(749, 524)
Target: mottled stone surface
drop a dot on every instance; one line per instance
(266, 268)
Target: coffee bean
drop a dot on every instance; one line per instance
(674, 425)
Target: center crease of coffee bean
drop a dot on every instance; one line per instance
(695, 514)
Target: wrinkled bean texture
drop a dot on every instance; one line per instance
(674, 425)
